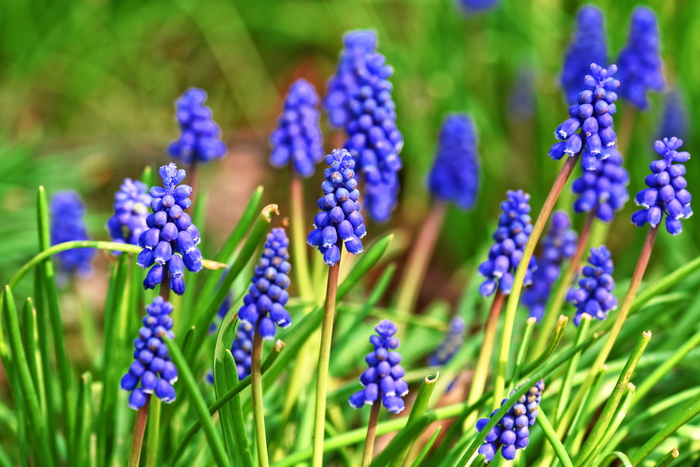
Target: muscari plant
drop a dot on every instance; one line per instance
(58, 418)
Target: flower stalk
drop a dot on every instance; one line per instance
(371, 434)
(258, 409)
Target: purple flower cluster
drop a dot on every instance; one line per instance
(589, 45)
(340, 219)
(603, 189)
(242, 349)
(152, 366)
(131, 204)
(200, 136)
(667, 192)
(592, 115)
(171, 239)
(68, 224)
(455, 173)
(594, 295)
(384, 377)
(454, 338)
(640, 62)
(674, 121)
(297, 138)
(558, 246)
(513, 430)
(263, 306)
(514, 227)
(477, 6)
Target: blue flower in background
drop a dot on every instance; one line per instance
(478, 5)
(171, 239)
(603, 189)
(454, 338)
(340, 220)
(594, 295)
(152, 367)
(513, 430)
(455, 173)
(514, 227)
(68, 224)
(345, 83)
(521, 102)
(384, 377)
(589, 45)
(200, 136)
(592, 115)
(667, 192)
(131, 205)
(558, 246)
(640, 62)
(297, 138)
(263, 306)
(674, 121)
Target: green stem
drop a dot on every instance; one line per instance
(258, 408)
(618, 417)
(299, 247)
(567, 383)
(522, 351)
(512, 307)
(668, 458)
(323, 362)
(371, 433)
(153, 437)
(139, 430)
(554, 441)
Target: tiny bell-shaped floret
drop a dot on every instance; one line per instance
(603, 189)
(68, 224)
(131, 205)
(594, 295)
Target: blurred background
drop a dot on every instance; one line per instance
(87, 91)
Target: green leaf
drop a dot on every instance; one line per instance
(84, 417)
(554, 441)
(424, 451)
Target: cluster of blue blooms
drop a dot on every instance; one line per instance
(477, 6)
(592, 115)
(340, 220)
(594, 295)
(558, 246)
(171, 239)
(200, 136)
(603, 189)
(513, 430)
(667, 192)
(131, 204)
(297, 138)
(68, 224)
(674, 121)
(455, 173)
(384, 377)
(242, 351)
(454, 338)
(514, 228)
(263, 306)
(152, 366)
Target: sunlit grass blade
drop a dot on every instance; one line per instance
(84, 419)
(614, 425)
(668, 458)
(428, 445)
(554, 441)
(30, 341)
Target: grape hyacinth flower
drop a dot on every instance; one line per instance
(152, 367)
(340, 220)
(667, 192)
(297, 138)
(68, 224)
(514, 227)
(384, 377)
(640, 62)
(455, 173)
(674, 121)
(200, 136)
(131, 204)
(521, 102)
(171, 239)
(592, 115)
(343, 85)
(454, 338)
(513, 430)
(589, 45)
(263, 306)
(603, 189)
(477, 6)
(558, 246)
(594, 295)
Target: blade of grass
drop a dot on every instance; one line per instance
(30, 342)
(424, 451)
(671, 456)
(554, 441)
(84, 416)
(613, 427)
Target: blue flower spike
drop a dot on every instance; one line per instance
(589, 129)
(594, 295)
(454, 338)
(513, 430)
(603, 189)
(131, 205)
(200, 136)
(383, 380)
(666, 193)
(589, 45)
(297, 138)
(674, 121)
(455, 173)
(641, 68)
(68, 224)
(558, 246)
(511, 236)
(478, 6)
(152, 368)
(340, 221)
(264, 304)
(170, 243)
